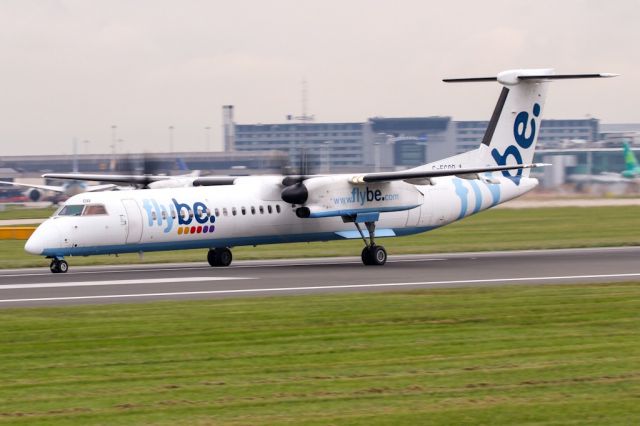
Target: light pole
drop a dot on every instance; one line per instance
(170, 138)
(114, 129)
(207, 137)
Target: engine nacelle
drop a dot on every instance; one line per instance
(330, 196)
(34, 194)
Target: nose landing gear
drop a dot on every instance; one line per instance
(58, 266)
(219, 257)
(372, 254)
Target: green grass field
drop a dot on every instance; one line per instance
(17, 212)
(498, 229)
(526, 355)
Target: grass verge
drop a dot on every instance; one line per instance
(492, 355)
(498, 229)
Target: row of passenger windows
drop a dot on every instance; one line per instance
(269, 209)
(243, 210)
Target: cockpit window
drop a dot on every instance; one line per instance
(94, 209)
(71, 210)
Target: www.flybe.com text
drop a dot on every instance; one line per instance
(367, 196)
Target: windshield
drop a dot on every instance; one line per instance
(71, 210)
(94, 209)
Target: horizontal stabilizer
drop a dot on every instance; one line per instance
(515, 76)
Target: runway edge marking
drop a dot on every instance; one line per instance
(331, 287)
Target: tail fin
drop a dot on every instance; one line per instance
(513, 129)
(630, 161)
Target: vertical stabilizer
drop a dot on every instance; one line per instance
(512, 133)
(630, 161)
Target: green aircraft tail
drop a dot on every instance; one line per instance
(629, 158)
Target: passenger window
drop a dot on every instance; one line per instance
(261, 209)
(71, 210)
(253, 210)
(243, 210)
(153, 215)
(278, 208)
(94, 209)
(216, 212)
(173, 213)
(269, 209)
(201, 213)
(224, 211)
(164, 214)
(234, 211)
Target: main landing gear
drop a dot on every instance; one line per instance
(219, 257)
(59, 265)
(372, 254)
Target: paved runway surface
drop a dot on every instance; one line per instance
(138, 283)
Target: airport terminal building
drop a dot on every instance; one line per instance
(382, 143)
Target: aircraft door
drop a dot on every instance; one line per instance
(133, 220)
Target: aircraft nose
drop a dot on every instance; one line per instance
(46, 235)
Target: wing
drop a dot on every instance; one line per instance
(145, 179)
(131, 179)
(43, 187)
(410, 175)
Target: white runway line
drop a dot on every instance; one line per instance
(121, 282)
(328, 287)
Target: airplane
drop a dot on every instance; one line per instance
(77, 184)
(218, 213)
(35, 192)
(632, 169)
(629, 175)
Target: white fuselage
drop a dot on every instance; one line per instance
(251, 212)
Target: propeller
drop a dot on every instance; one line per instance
(295, 192)
(140, 165)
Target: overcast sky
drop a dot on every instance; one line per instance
(75, 68)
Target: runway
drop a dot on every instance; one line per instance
(141, 283)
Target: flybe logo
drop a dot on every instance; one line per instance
(524, 134)
(188, 219)
(361, 197)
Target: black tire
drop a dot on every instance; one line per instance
(211, 257)
(223, 257)
(219, 257)
(366, 256)
(63, 266)
(378, 255)
(54, 266)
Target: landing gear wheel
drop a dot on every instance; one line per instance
(219, 257)
(374, 255)
(58, 266)
(224, 257)
(211, 257)
(366, 256)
